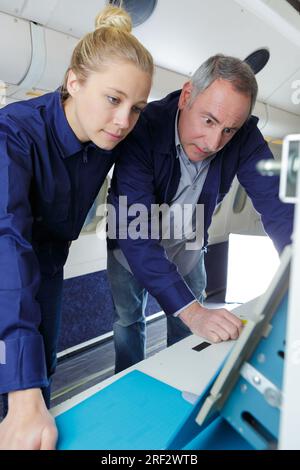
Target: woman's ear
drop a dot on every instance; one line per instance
(185, 95)
(73, 85)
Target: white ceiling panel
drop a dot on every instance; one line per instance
(287, 96)
(12, 7)
(188, 32)
(166, 81)
(15, 48)
(75, 17)
(56, 64)
(39, 11)
(182, 34)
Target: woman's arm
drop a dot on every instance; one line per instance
(28, 423)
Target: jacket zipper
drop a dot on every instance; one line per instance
(85, 152)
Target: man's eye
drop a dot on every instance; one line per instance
(113, 100)
(228, 131)
(208, 121)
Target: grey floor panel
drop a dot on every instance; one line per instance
(76, 374)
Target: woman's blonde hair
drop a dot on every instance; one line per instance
(112, 40)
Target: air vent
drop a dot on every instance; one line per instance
(139, 10)
(295, 4)
(258, 59)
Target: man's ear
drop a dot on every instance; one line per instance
(185, 95)
(73, 84)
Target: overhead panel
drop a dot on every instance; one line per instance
(75, 17)
(287, 96)
(275, 122)
(197, 29)
(166, 81)
(59, 48)
(277, 13)
(15, 45)
(12, 7)
(39, 11)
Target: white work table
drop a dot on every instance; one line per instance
(179, 366)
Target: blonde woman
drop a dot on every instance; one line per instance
(55, 152)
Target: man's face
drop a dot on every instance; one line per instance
(210, 122)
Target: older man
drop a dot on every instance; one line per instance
(184, 152)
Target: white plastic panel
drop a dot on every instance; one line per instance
(216, 26)
(166, 81)
(280, 123)
(225, 221)
(75, 16)
(15, 48)
(279, 14)
(39, 11)
(12, 7)
(59, 50)
(188, 32)
(288, 96)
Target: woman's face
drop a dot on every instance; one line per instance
(106, 107)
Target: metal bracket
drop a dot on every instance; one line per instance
(271, 393)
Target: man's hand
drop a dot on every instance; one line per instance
(28, 424)
(213, 324)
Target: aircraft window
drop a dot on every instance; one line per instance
(239, 200)
(139, 10)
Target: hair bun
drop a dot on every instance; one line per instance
(114, 17)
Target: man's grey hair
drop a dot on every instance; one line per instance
(227, 68)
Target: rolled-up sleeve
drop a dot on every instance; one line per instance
(19, 270)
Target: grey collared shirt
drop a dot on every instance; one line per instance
(193, 175)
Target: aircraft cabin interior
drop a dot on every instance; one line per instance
(241, 394)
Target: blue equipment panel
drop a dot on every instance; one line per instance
(134, 412)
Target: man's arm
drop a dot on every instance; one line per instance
(134, 178)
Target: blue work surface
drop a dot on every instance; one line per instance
(135, 412)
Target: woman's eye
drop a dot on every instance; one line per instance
(113, 100)
(208, 121)
(227, 131)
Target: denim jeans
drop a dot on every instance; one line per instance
(50, 299)
(130, 299)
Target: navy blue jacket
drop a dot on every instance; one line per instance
(48, 182)
(148, 172)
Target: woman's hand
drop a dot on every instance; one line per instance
(28, 424)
